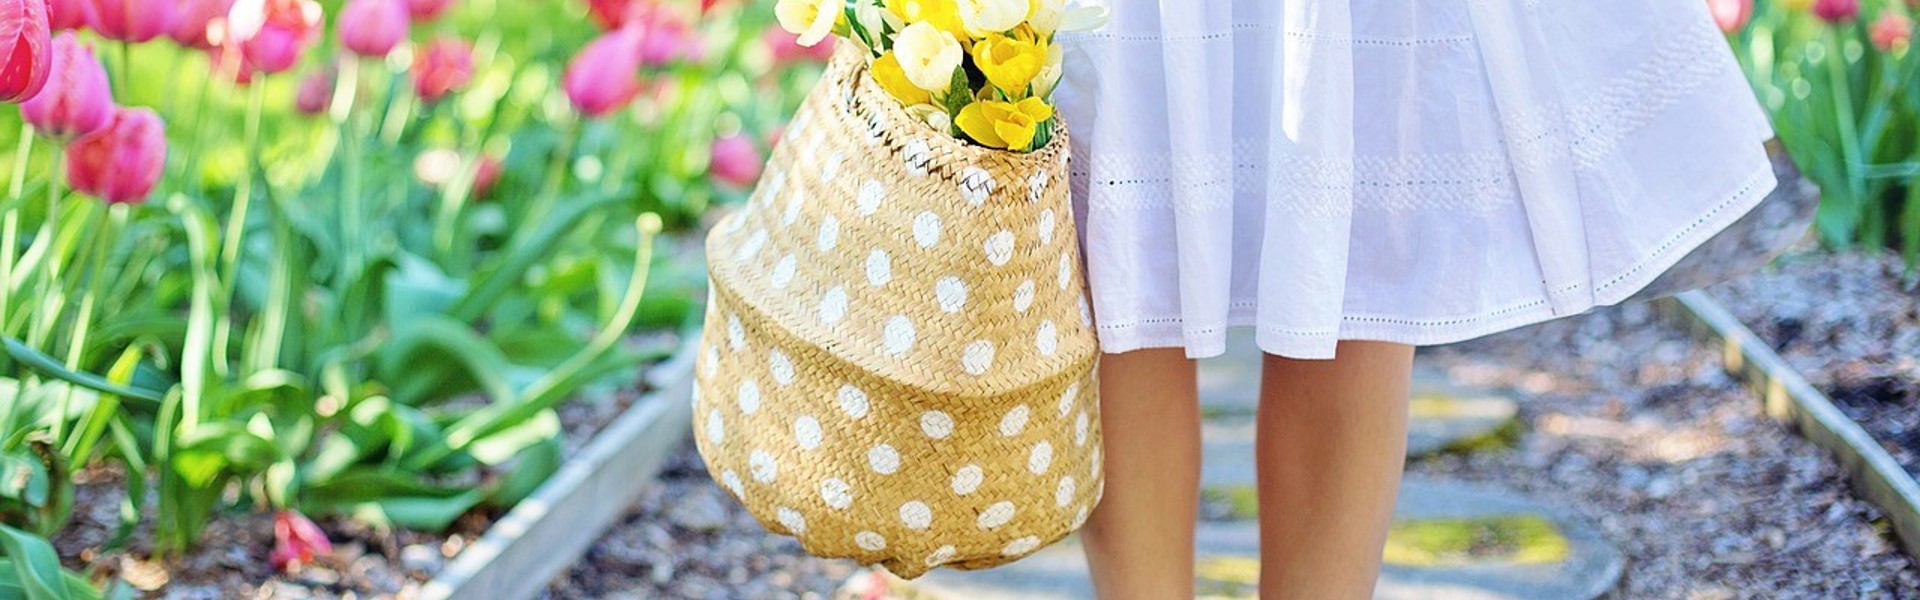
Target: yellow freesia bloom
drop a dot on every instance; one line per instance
(942, 14)
(1010, 63)
(893, 79)
(1007, 125)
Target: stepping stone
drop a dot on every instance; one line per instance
(1444, 418)
(1450, 541)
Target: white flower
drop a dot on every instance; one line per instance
(933, 116)
(1085, 15)
(927, 55)
(870, 17)
(1049, 76)
(1044, 15)
(812, 20)
(982, 17)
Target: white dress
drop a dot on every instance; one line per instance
(1414, 171)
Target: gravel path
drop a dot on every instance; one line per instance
(1625, 419)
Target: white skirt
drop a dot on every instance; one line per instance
(1413, 171)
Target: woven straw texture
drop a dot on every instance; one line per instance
(898, 353)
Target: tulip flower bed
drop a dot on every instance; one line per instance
(272, 263)
(1842, 83)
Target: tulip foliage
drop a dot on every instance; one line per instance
(1842, 84)
(345, 259)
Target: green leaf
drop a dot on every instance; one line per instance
(35, 564)
(534, 465)
(392, 496)
(51, 367)
(23, 478)
(507, 443)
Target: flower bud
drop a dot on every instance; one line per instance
(441, 68)
(371, 28)
(26, 41)
(122, 162)
(76, 100)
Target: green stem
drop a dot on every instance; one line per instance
(50, 276)
(1843, 103)
(556, 174)
(237, 225)
(83, 320)
(10, 222)
(351, 193)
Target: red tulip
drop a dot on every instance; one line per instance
(1836, 11)
(273, 34)
(315, 93)
(735, 161)
(605, 76)
(121, 163)
(77, 100)
(444, 66)
(296, 540)
(611, 14)
(371, 28)
(1731, 15)
(427, 10)
(198, 21)
(1892, 32)
(786, 47)
(134, 20)
(27, 43)
(68, 15)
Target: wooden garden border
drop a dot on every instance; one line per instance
(1788, 398)
(544, 534)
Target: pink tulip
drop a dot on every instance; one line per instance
(1836, 11)
(69, 15)
(428, 10)
(437, 167)
(786, 47)
(1892, 32)
(444, 66)
(315, 93)
(77, 100)
(1731, 15)
(605, 76)
(121, 163)
(199, 21)
(735, 161)
(371, 28)
(27, 43)
(667, 39)
(134, 20)
(273, 34)
(297, 541)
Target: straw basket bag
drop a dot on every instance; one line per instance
(898, 353)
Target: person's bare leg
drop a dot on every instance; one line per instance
(1139, 541)
(1331, 446)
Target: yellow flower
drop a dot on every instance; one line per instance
(812, 20)
(887, 72)
(1008, 125)
(942, 14)
(927, 56)
(1010, 63)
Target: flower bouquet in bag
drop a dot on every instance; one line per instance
(898, 354)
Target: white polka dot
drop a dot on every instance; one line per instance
(936, 424)
(831, 169)
(883, 459)
(941, 556)
(833, 305)
(716, 430)
(951, 293)
(749, 397)
(1080, 430)
(1036, 186)
(780, 366)
(1046, 226)
(782, 274)
(977, 357)
(879, 268)
(898, 335)
(871, 193)
(870, 541)
(853, 401)
(829, 233)
(976, 185)
(995, 515)
(751, 247)
(1040, 458)
(710, 364)
(736, 335)
(1068, 398)
(1020, 546)
(1093, 464)
(1086, 316)
(795, 201)
(917, 156)
(916, 515)
(836, 493)
(926, 229)
(1066, 271)
(1046, 339)
(1080, 517)
(999, 247)
(1023, 296)
(761, 465)
(732, 481)
(1063, 493)
(968, 479)
(806, 432)
(791, 519)
(1015, 421)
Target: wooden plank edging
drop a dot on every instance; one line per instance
(1790, 399)
(543, 535)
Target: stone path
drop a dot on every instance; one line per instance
(1450, 541)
